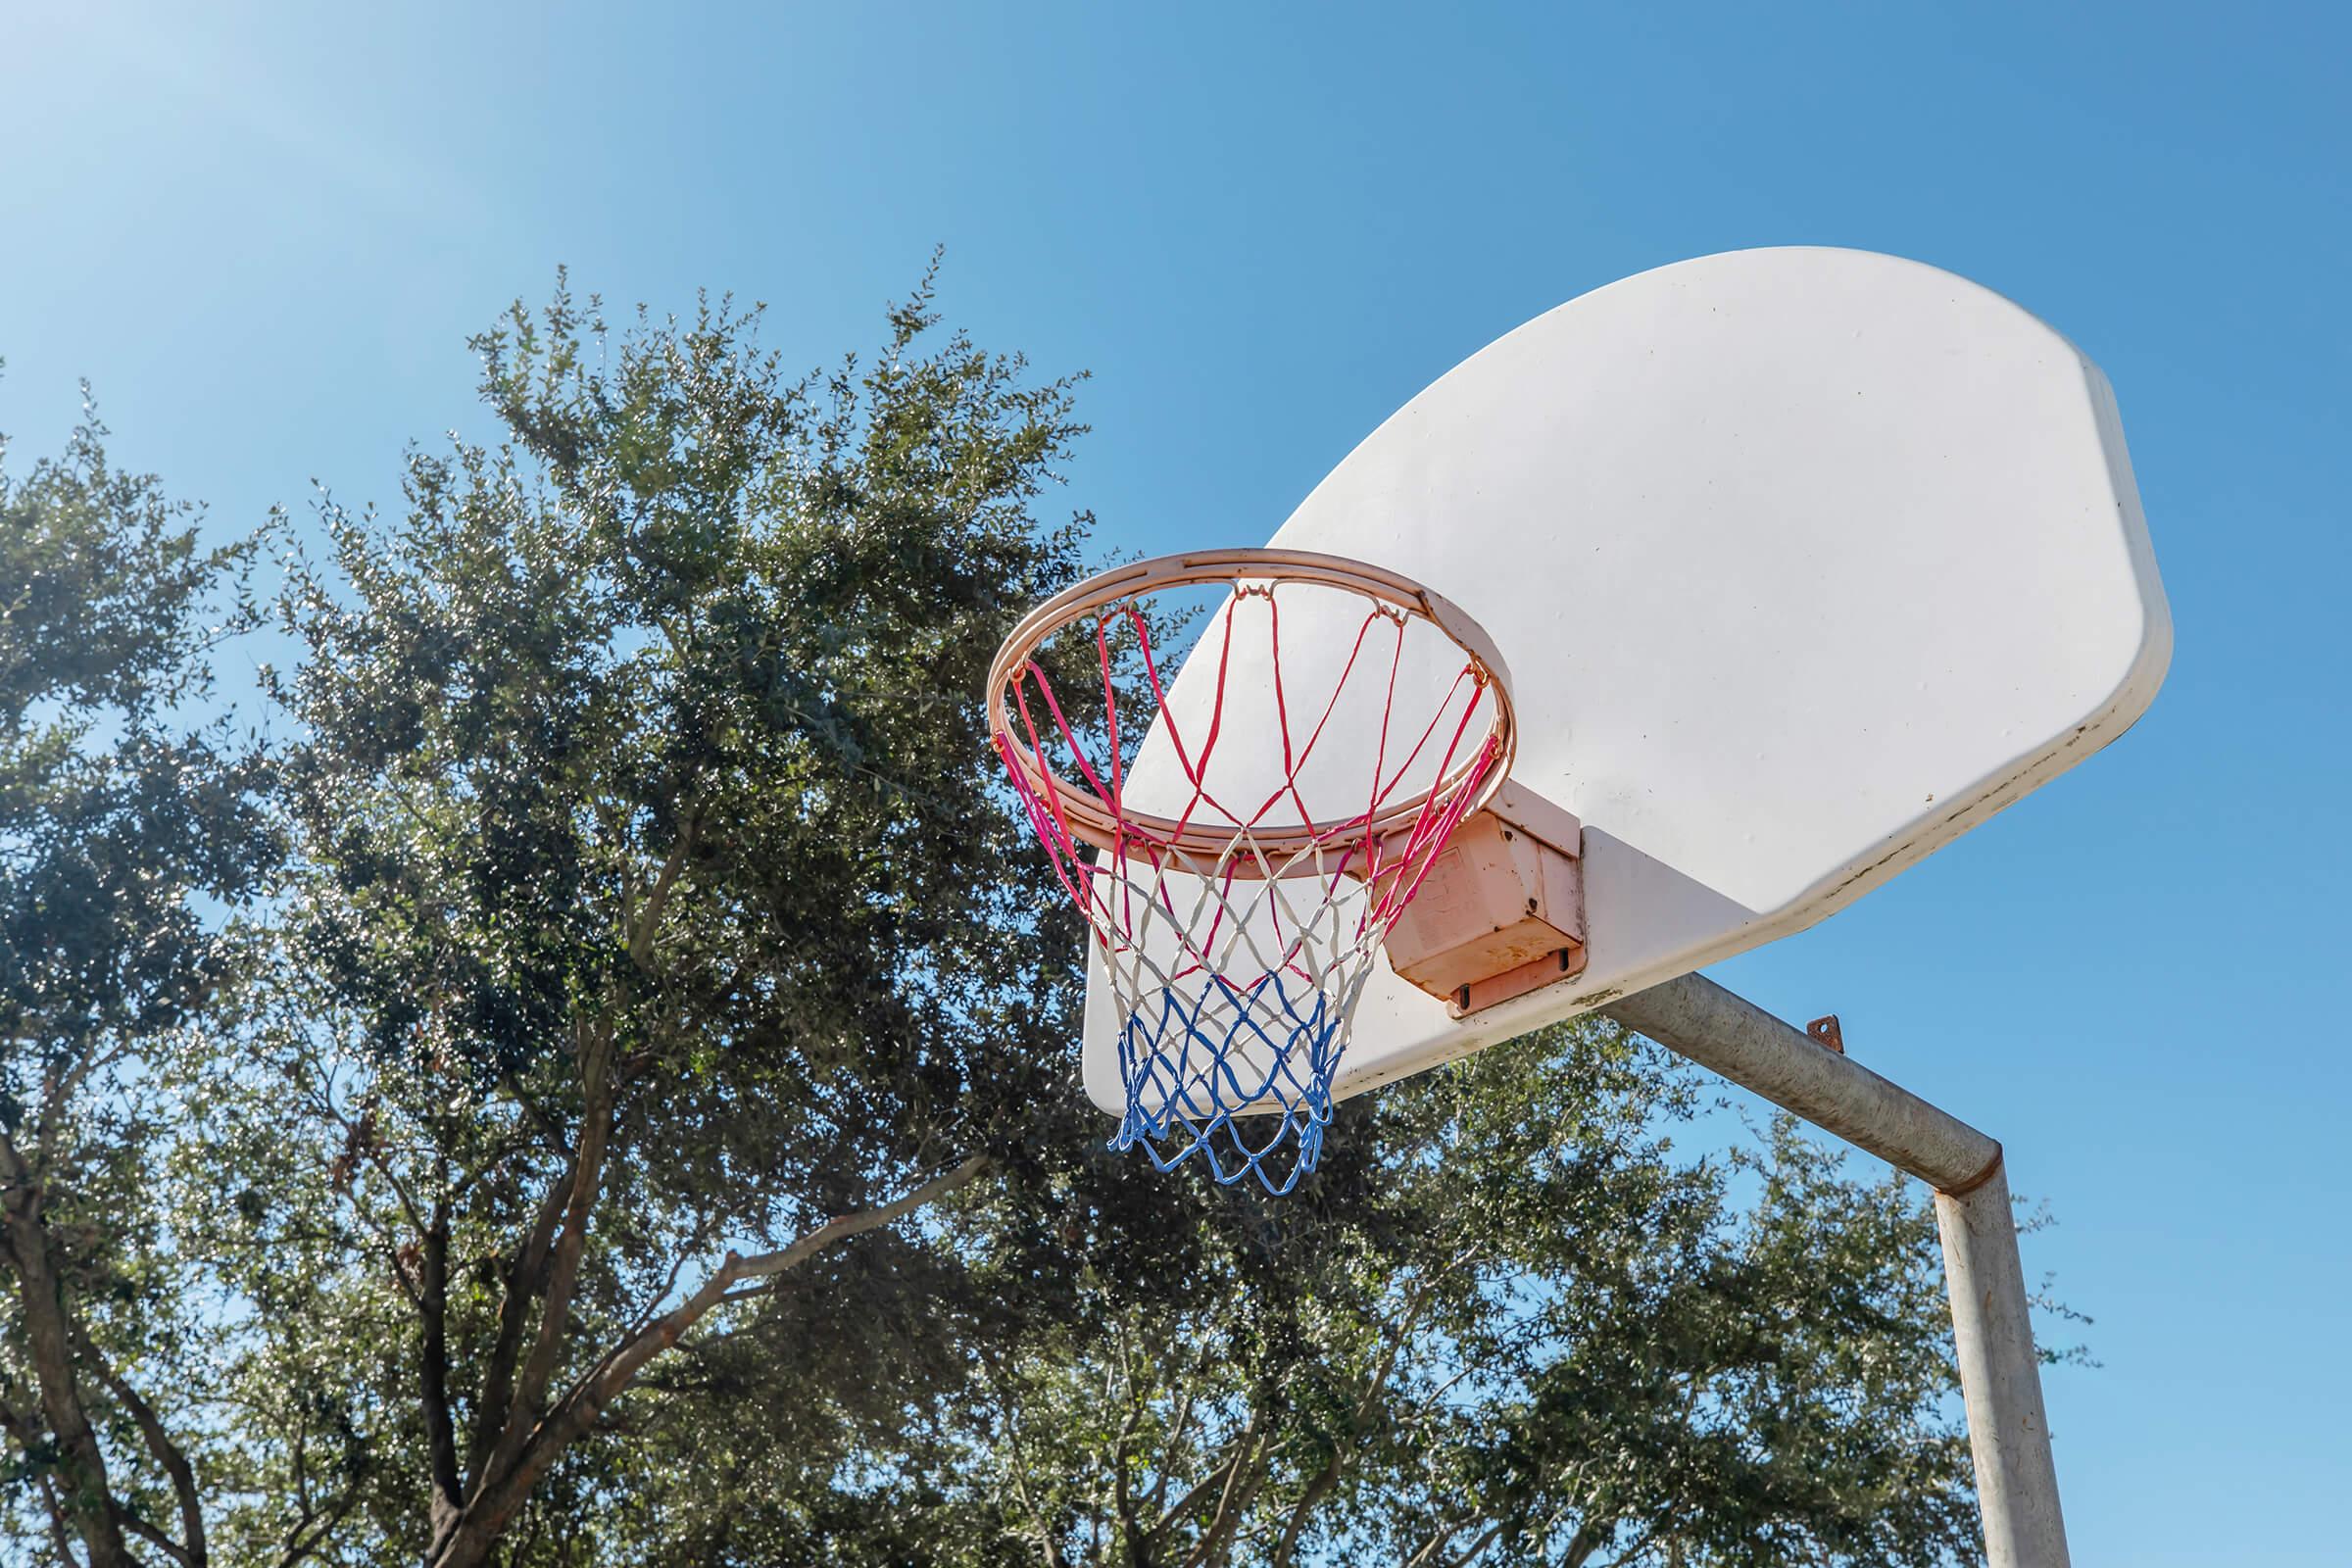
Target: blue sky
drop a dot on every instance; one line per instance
(264, 236)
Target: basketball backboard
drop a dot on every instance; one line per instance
(1803, 563)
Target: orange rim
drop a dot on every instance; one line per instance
(1085, 813)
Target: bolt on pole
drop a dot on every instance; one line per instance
(1992, 1332)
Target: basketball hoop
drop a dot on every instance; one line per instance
(1237, 911)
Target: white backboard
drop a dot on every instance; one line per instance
(1804, 561)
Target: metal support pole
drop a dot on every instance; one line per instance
(2000, 1376)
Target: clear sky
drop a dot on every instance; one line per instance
(264, 236)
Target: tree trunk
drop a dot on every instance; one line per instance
(87, 1501)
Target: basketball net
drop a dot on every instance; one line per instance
(1236, 932)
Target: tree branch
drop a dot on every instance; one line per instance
(648, 918)
(529, 1403)
(507, 1485)
(1179, 1423)
(1594, 1534)
(1018, 1468)
(311, 1529)
(1327, 1478)
(841, 1229)
(166, 1454)
(1435, 1544)
(1220, 1478)
(47, 1328)
(55, 1092)
(1216, 1541)
(1122, 1498)
(1485, 1540)
(149, 1534)
(432, 1304)
(58, 1535)
(524, 1278)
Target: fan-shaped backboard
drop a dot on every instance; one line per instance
(1804, 561)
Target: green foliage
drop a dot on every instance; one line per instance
(112, 817)
(656, 885)
(642, 1126)
(1543, 1338)
(125, 830)
(660, 717)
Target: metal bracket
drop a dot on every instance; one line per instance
(1824, 1032)
(1476, 996)
(1500, 908)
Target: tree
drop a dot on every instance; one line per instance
(1546, 1340)
(642, 1125)
(662, 923)
(121, 821)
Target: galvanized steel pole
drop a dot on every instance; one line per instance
(2000, 1377)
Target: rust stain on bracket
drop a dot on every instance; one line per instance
(1500, 911)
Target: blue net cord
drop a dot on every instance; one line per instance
(1238, 1075)
(1236, 993)
(1235, 996)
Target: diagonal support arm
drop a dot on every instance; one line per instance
(2000, 1377)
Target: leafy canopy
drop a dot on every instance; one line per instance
(658, 888)
(128, 827)
(644, 1125)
